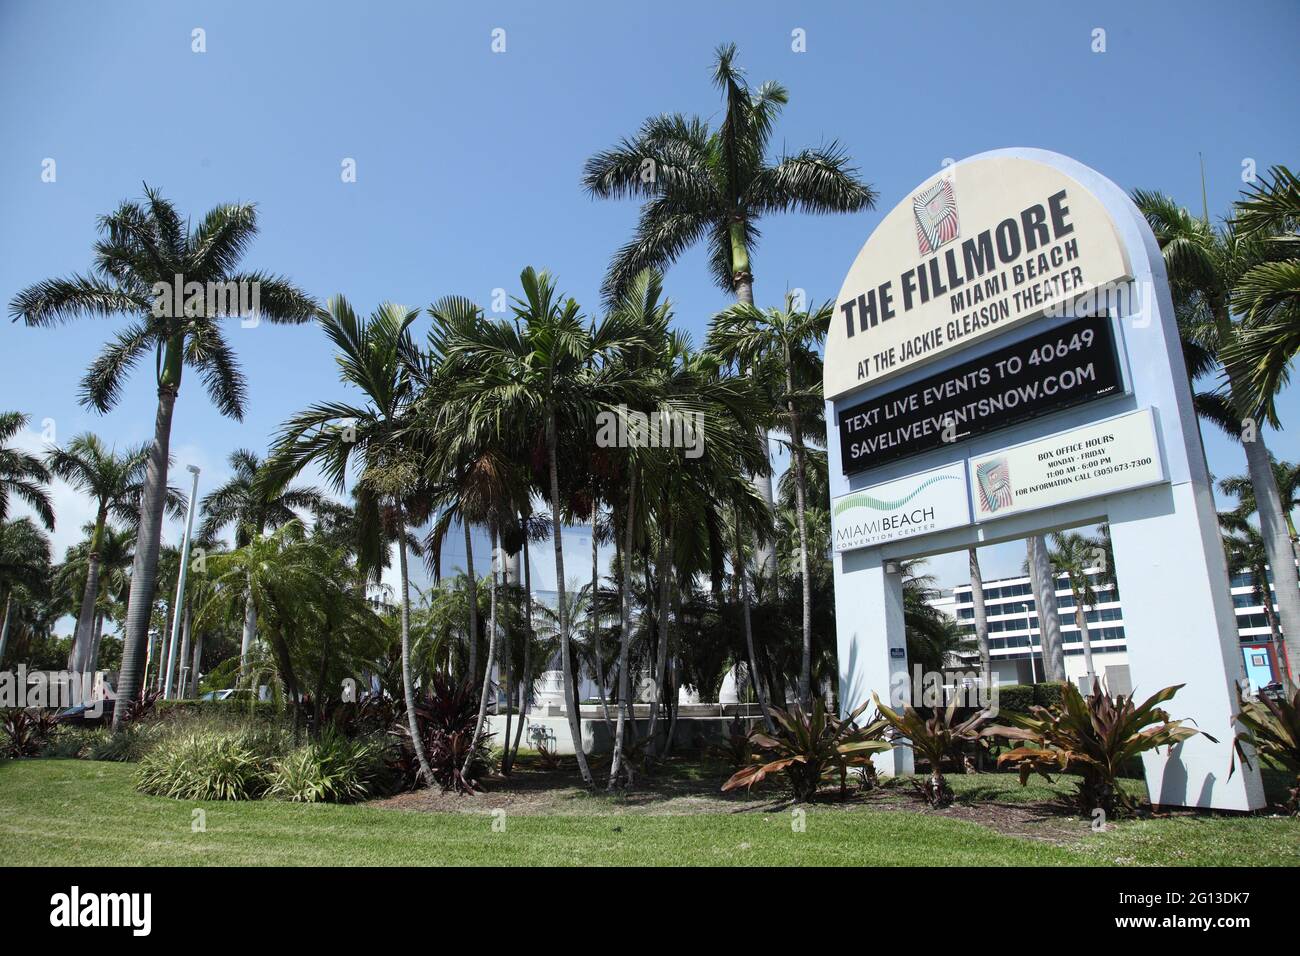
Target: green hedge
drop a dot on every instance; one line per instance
(262, 710)
(1048, 693)
(1018, 698)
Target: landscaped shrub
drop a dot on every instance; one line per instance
(209, 765)
(809, 745)
(129, 744)
(1048, 693)
(70, 743)
(937, 738)
(1272, 728)
(1015, 698)
(1094, 737)
(446, 717)
(333, 769)
(24, 731)
(259, 711)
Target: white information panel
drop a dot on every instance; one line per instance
(908, 507)
(1115, 454)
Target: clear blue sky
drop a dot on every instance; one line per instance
(468, 161)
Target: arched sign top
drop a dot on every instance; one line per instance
(976, 249)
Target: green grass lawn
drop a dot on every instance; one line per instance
(85, 813)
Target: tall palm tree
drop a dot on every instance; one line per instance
(714, 185)
(1038, 567)
(24, 569)
(252, 506)
(1205, 265)
(144, 252)
(1268, 294)
(786, 339)
(1287, 476)
(373, 356)
(981, 614)
(545, 374)
(115, 483)
(1245, 551)
(22, 474)
(1074, 555)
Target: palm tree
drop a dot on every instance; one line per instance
(1244, 549)
(24, 569)
(1074, 555)
(1038, 567)
(1205, 265)
(146, 259)
(544, 374)
(252, 506)
(715, 185)
(1287, 476)
(786, 339)
(22, 475)
(981, 615)
(115, 483)
(1268, 294)
(373, 356)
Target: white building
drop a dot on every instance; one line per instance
(1015, 648)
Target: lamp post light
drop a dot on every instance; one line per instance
(178, 607)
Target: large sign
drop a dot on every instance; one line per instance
(1028, 237)
(905, 508)
(975, 250)
(1071, 364)
(1098, 459)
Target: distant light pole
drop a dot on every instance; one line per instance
(178, 608)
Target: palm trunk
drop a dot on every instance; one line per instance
(198, 659)
(89, 596)
(743, 280)
(624, 639)
(473, 602)
(250, 629)
(1081, 619)
(183, 671)
(491, 658)
(4, 628)
(93, 664)
(526, 682)
(145, 567)
(805, 672)
(1277, 547)
(1049, 615)
(595, 617)
(758, 682)
(408, 686)
(981, 617)
(566, 655)
(661, 651)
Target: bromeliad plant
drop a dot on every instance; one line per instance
(1094, 737)
(1271, 728)
(936, 738)
(807, 746)
(446, 717)
(26, 731)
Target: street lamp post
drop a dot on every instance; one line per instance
(178, 608)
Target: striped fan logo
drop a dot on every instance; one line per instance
(994, 480)
(936, 216)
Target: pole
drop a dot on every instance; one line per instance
(178, 607)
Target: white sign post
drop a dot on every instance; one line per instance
(1007, 329)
